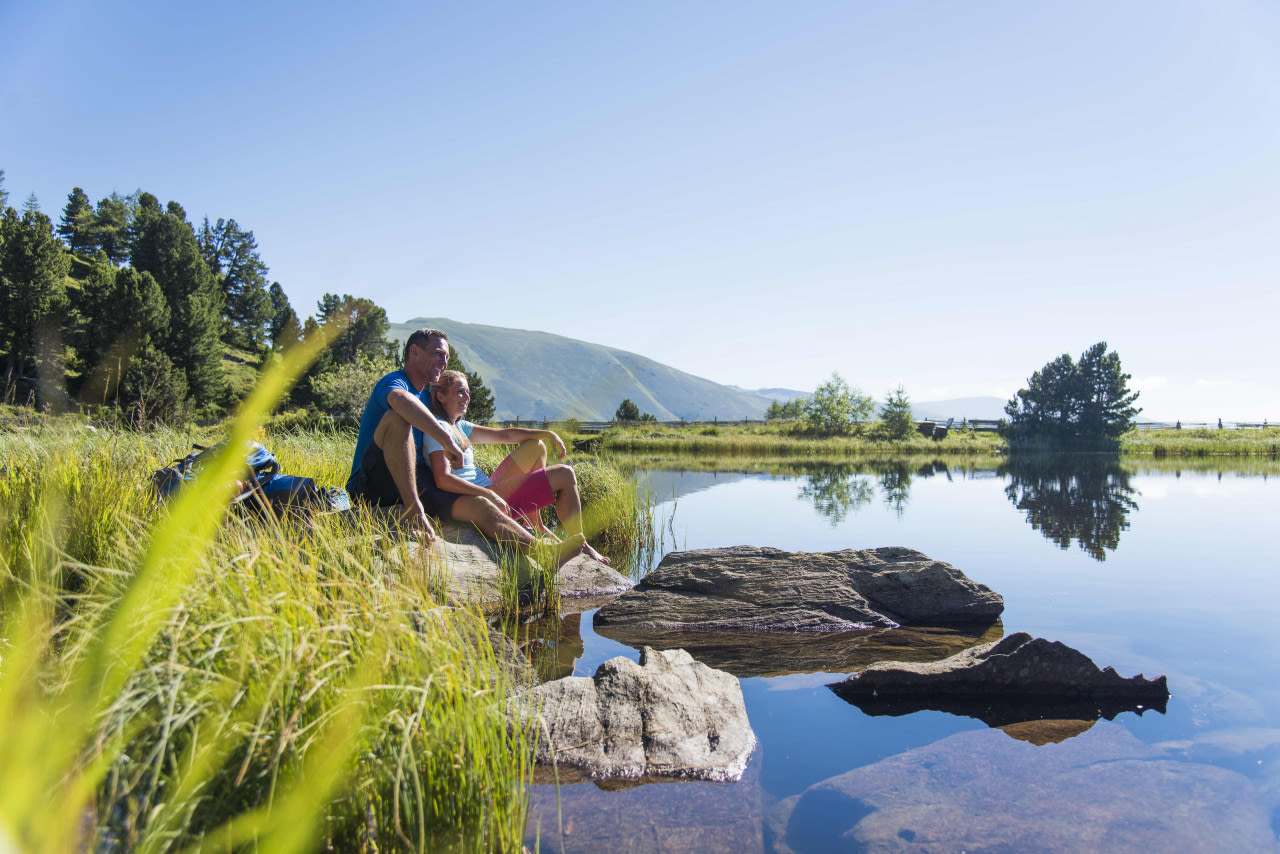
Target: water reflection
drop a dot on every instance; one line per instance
(837, 491)
(746, 654)
(1080, 498)
(1034, 722)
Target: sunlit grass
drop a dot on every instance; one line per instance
(172, 678)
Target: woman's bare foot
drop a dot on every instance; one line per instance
(590, 552)
(569, 549)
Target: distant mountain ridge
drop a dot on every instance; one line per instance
(537, 375)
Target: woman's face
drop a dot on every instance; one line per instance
(454, 399)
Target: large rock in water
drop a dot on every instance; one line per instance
(666, 716)
(1019, 667)
(750, 588)
(475, 568)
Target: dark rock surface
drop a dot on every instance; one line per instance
(750, 588)
(979, 791)
(1018, 668)
(666, 716)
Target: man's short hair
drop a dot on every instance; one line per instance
(421, 337)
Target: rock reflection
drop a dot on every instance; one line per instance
(553, 645)
(1034, 722)
(1082, 499)
(746, 654)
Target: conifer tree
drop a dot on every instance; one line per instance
(232, 254)
(76, 227)
(33, 270)
(164, 245)
(285, 330)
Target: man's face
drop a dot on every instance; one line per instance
(436, 357)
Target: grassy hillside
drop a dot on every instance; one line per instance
(537, 375)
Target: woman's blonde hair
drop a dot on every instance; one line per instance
(446, 382)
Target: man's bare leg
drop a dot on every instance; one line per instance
(394, 436)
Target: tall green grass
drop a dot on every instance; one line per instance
(771, 440)
(170, 678)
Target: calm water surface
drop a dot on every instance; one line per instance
(1146, 567)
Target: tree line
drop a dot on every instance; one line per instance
(126, 305)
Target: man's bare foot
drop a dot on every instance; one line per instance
(590, 552)
(569, 549)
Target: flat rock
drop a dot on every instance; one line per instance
(979, 791)
(668, 716)
(472, 568)
(1018, 667)
(752, 588)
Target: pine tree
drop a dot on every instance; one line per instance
(232, 255)
(113, 225)
(1074, 404)
(285, 330)
(76, 227)
(895, 415)
(33, 300)
(165, 245)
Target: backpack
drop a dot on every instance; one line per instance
(261, 487)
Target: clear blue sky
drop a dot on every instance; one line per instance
(945, 195)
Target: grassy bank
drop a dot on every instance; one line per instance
(780, 441)
(256, 683)
(776, 441)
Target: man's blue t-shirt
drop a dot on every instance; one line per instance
(377, 407)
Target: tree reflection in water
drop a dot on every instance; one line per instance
(1082, 498)
(836, 491)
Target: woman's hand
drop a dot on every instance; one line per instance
(558, 442)
(499, 501)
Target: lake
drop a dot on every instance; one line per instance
(1149, 566)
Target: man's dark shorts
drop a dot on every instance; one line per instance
(373, 484)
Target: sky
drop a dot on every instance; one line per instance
(940, 195)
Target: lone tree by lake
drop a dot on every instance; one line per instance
(1074, 404)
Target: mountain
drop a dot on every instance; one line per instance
(537, 375)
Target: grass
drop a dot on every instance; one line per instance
(173, 679)
(782, 441)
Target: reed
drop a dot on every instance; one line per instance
(175, 679)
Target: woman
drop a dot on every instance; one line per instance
(523, 483)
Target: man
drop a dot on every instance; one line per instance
(385, 469)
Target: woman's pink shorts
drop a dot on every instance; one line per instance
(531, 494)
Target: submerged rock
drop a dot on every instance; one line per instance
(979, 791)
(750, 588)
(666, 716)
(1019, 668)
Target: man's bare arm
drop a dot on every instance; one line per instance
(411, 409)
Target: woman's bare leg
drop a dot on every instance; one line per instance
(529, 456)
(564, 483)
(496, 525)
